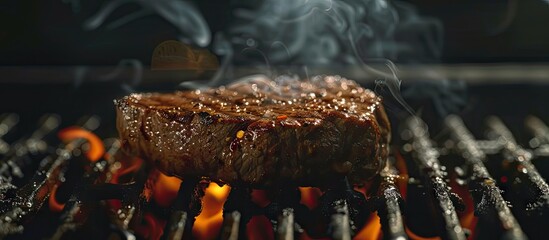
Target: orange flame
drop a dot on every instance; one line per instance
(372, 230)
(134, 165)
(310, 196)
(165, 189)
(54, 205)
(305, 236)
(259, 228)
(414, 236)
(260, 197)
(467, 218)
(209, 222)
(96, 150)
(94, 153)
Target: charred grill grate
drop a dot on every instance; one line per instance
(426, 191)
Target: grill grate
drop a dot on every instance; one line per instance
(37, 166)
(426, 157)
(482, 184)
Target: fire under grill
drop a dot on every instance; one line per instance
(66, 182)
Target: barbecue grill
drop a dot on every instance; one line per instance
(470, 141)
(456, 179)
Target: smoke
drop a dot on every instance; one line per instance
(119, 73)
(509, 17)
(301, 32)
(329, 33)
(306, 37)
(181, 14)
(448, 97)
(128, 85)
(326, 32)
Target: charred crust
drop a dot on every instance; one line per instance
(308, 143)
(205, 118)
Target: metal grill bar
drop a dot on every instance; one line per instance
(122, 218)
(426, 157)
(392, 222)
(538, 128)
(541, 135)
(177, 224)
(29, 198)
(238, 201)
(340, 226)
(12, 164)
(130, 200)
(7, 122)
(482, 182)
(341, 209)
(179, 221)
(73, 205)
(498, 131)
(285, 227)
(286, 212)
(231, 225)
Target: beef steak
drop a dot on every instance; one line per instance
(260, 132)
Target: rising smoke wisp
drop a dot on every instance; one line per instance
(311, 35)
(322, 32)
(342, 33)
(183, 15)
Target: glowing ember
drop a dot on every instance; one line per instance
(96, 147)
(208, 223)
(95, 152)
(165, 190)
(309, 196)
(467, 217)
(372, 230)
(134, 165)
(123, 170)
(414, 236)
(54, 205)
(259, 228)
(260, 197)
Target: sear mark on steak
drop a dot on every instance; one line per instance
(260, 132)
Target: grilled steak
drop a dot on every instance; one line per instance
(260, 132)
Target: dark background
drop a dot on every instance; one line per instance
(43, 46)
(46, 34)
(49, 32)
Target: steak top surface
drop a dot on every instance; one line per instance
(260, 132)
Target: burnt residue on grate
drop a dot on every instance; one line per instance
(28, 199)
(186, 207)
(522, 158)
(78, 194)
(483, 187)
(426, 157)
(20, 158)
(388, 201)
(341, 210)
